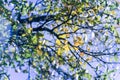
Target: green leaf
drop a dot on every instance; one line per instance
(116, 34)
(17, 57)
(118, 21)
(34, 39)
(116, 58)
(88, 76)
(111, 71)
(14, 2)
(28, 55)
(106, 38)
(24, 11)
(118, 40)
(113, 7)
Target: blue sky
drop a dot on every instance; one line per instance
(21, 76)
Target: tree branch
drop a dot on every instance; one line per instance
(37, 18)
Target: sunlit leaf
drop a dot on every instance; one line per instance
(60, 39)
(88, 76)
(81, 54)
(35, 39)
(59, 51)
(78, 41)
(29, 30)
(89, 58)
(66, 47)
(38, 49)
(80, 63)
(58, 42)
(74, 12)
(39, 52)
(117, 40)
(88, 48)
(63, 36)
(75, 28)
(116, 58)
(113, 12)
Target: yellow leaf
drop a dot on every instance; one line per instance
(38, 49)
(66, 47)
(98, 18)
(29, 30)
(39, 46)
(88, 48)
(84, 65)
(67, 35)
(79, 38)
(30, 19)
(75, 28)
(23, 35)
(70, 21)
(65, 18)
(65, 41)
(57, 21)
(39, 52)
(58, 42)
(100, 7)
(113, 12)
(81, 54)
(76, 48)
(80, 63)
(64, 29)
(83, 22)
(117, 40)
(87, 5)
(63, 36)
(59, 51)
(91, 23)
(91, 12)
(74, 12)
(56, 30)
(78, 43)
(81, 43)
(89, 58)
(52, 58)
(79, 10)
(34, 64)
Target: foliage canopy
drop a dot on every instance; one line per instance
(61, 39)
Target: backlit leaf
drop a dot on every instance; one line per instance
(66, 47)
(59, 51)
(63, 36)
(58, 42)
(81, 54)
